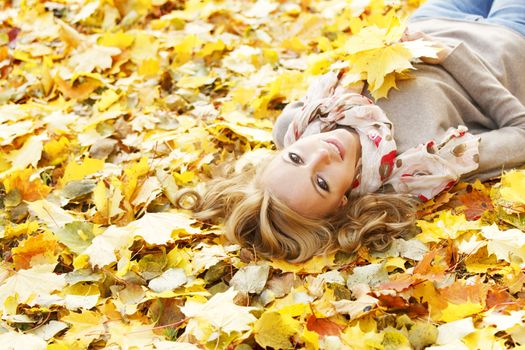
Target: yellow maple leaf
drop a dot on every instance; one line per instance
(508, 245)
(513, 186)
(184, 49)
(218, 315)
(132, 173)
(57, 151)
(94, 57)
(189, 82)
(357, 339)
(25, 228)
(131, 335)
(315, 265)
(294, 44)
(368, 38)
(275, 330)
(310, 338)
(24, 285)
(86, 326)
(454, 312)
(445, 226)
(107, 98)
(75, 171)
(107, 200)
(29, 154)
(377, 63)
(211, 47)
(78, 89)
(43, 247)
(389, 82)
(149, 67)
(119, 39)
(484, 338)
(30, 187)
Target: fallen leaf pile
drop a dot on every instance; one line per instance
(110, 109)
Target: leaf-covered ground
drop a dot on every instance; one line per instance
(108, 108)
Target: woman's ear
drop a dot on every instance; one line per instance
(344, 200)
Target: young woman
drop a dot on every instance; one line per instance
(342, 177)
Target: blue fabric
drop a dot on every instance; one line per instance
(508, 13)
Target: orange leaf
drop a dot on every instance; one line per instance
(476, 203)
(29, 190)
(399, 282)
(459, 292)
(392, 302)
(496, 297)
(43, 244)
(323, 326)
(79, 91)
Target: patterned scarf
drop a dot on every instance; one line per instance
(424, 170)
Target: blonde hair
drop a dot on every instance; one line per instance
(254, 218)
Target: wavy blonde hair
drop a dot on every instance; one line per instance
(254, 218)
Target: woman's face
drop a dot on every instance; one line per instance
(313, 174)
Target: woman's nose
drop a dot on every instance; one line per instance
(320, 157)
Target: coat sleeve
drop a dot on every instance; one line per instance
(501, 148)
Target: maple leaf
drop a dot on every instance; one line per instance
(315, 265)
(170, 279)
(454, 312)
(31, 188)
(79, 88)
(508, 245)
(157, 228)
(133, 335)
(218, 314)
(86, 326)
(42, 247)
(363, 304)
(513, 186)
(75, 171)
(49, 213)
(446, 225)
(86, 60)
(379, 62)
(501, 321)
(323, 326)
(107, 200)
(15, 340)
(476, 203)
(49, 330)
(357, 339)
(77, 235)
(29, 154)
(101, 252)
(24, 285)
(451, 333)
(250, 279)
(275, 329)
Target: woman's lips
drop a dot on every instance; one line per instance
(338, 145)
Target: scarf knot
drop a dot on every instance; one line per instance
(424, 170)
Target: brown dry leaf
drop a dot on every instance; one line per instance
(476, 203)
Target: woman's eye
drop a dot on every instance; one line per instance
(294, 157)
(323, 184)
